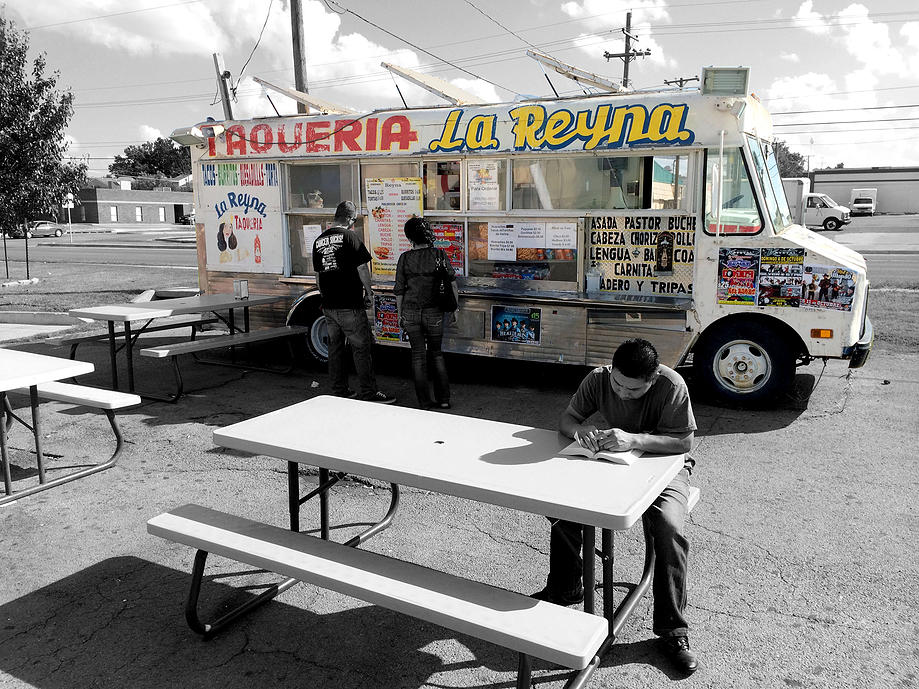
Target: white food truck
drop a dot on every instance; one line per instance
(667, 204)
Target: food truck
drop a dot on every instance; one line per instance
(572, 223)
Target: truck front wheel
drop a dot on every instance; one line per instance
(743, 363)
(832, 224)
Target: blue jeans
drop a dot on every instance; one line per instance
(664, 522)
(353, 324)
(425, 330)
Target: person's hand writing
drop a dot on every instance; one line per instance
(617, 439)
(589, 437)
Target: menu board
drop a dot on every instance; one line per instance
(308, 235)
(502, 241)
(449, 237)
(390, 203)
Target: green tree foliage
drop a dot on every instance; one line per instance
(35, 175)
(791, 164)
(160, 158)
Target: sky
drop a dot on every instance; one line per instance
(840, 78)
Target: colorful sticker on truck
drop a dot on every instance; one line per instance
(781, 272)
(827, 287)
(738, 272)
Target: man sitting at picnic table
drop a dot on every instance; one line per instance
(644, 405)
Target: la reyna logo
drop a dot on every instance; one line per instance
(534, 128)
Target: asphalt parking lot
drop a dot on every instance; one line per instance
(803, 567)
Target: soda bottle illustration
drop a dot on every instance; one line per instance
(258, 250)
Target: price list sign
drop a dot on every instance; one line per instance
(390, 203)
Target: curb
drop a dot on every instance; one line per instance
(38, 318)
(13, 283)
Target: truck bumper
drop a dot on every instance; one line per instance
(859, 352)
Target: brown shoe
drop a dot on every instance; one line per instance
(677, 649)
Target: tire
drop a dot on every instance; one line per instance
(743, 363)
(58, 233)
(832, 224)
(317, 339)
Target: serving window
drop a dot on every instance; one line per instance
(441, 181)
(534, 250)
(320, 186)
(302, 231)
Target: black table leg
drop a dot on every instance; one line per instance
(4, 456)
(112, 347)
(293, 496)
(36, 431)
(324, 506)
(606, 544)
(129, 352)
(590, 575)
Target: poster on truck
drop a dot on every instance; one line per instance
(781, 276)
(449, 237)
(738, 272)
(241, 212)
(390, 202)
(828, 287)
(516, 324)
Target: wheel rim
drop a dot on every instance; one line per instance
(319, 337)
(742, 366)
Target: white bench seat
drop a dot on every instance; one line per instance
(84, 395)
(535, 628)
(220, 341)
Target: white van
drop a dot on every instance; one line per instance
(863, 201)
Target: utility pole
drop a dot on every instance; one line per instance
(629, 53)
(223, 77)
(681, 80)
(296, 30)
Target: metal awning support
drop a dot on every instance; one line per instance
(322, 106)
(578, 75)
(435, 85)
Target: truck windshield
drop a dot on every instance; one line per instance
(767, 170)
(828, 201)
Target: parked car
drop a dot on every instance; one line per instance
(45, 228)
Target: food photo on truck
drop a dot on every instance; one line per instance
(572, 223)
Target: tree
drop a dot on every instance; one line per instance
(35, 175)
(160, 158)
(791, 164)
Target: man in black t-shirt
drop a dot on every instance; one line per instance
(340, 260)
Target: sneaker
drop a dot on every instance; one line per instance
(442, 405)
(381, 397)
(349, 393)
(575, 597)
(677, 649)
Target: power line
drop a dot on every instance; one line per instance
(114, 14)
(873, 107)
(426, 52)
(815, 124)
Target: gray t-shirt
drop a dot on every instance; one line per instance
(664, 410)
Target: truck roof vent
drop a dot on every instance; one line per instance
(725, 81)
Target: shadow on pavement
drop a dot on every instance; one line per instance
(120, 624)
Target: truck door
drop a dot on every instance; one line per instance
(814, 212)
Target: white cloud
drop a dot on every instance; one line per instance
(790, 57)
(148, 133)
(811, 21)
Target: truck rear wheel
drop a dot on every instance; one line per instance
(743, 363)
(306, 311)
(832, 224)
